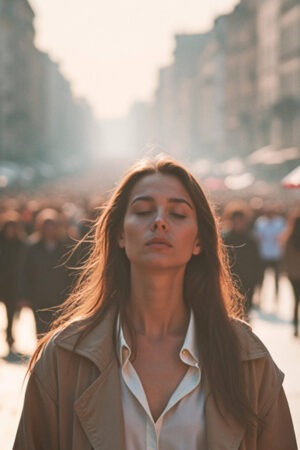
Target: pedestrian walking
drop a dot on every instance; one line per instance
(243, 254)
(46, 279)
(269, 229)
(12, 252)
(149, 351)
(292, 267)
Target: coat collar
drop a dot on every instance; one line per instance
(97, 346)
(101, 402)
(100, 411)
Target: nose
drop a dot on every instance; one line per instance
(159, 223)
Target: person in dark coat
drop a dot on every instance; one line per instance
(47, 279)
(292, 267)
(12, 251)
(244, 256)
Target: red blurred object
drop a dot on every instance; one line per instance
(292, 179)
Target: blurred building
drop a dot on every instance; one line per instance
(16, 54)
(208, 95)
(163, 109)
(240, 74)
(268, 71)
(287, 108)
(40, 119)
(67, 127)
(175, 117)
(234, 90)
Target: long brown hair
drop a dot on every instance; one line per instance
(208, 289)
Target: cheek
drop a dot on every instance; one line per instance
(186, 242)
(132, 239)
(189, 235)
(131, 231)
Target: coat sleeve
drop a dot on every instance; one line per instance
(38, 427)
(278, 432)
(264, 380)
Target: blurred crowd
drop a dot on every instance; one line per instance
(263, 240)
(41, 251)
(41, 254)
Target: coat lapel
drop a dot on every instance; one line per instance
(221, 433)
(99, 410)
(99, 407)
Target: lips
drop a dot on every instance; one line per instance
(159, 241)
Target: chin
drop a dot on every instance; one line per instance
(159, 263)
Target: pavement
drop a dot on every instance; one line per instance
(271, 322)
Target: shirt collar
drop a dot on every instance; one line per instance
(124, 351)
(188, 354)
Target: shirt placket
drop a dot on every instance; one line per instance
(152, 436)
(133, 383)
(190, 381)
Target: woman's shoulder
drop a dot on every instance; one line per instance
(50, 351)
(250, 345)
(255, 354)
(60, 358)
(77, 341)
(263, 378)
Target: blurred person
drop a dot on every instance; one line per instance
(243, 254)
(91, 209)
(72, 216)
(292, 267)
(12, 251)
(28, 210)
(149, 350)
(86, 228)
(46, 279)
(269, 229)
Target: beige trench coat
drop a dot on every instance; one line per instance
(73, 399)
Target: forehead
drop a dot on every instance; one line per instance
(160, 185)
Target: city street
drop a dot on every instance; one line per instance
(99, 105)
(271, 323)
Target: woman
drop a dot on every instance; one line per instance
(148, 353)
(292, 266)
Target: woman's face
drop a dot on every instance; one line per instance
(160, 228)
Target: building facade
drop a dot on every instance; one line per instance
(16, 54)
(287, 108)
(40, 119)
(235, 89)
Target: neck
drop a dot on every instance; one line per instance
(156, 307)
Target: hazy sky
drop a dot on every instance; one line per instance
(111, 50)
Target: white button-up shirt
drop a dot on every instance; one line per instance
(181, 425)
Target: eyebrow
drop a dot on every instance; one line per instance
(148, 198)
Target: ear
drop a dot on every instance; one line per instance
(121, 240)
(197, 248)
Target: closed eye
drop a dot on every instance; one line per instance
(143, 213)
(178, 216)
